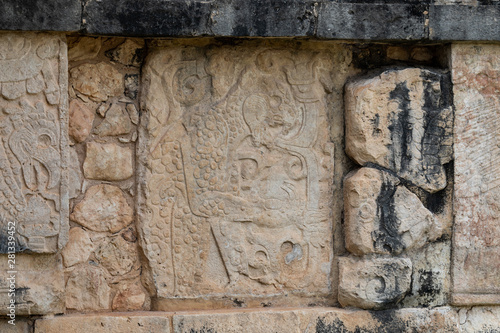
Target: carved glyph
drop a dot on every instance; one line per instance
(33, 194)
(238, 168)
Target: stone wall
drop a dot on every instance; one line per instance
(249, 185)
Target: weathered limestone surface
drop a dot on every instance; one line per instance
(39, 282)
(104, 208)
(373, 283)
(237, 166)
(382, 216)
(479, 319)
(81, 118)
(137, 322)
(97, 81)
(402, 120)
(22, 325)
(33, 145)
(476, 247)
(108, 161)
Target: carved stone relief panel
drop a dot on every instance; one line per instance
(33, 194)
(237, 166)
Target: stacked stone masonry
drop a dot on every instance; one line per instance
(248, 185)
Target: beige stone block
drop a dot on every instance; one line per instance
(22, 325)
(108, 162)
(78, 249)
(373, 283)
(130, 297)
(117, 122)
(237, 167)
(402, 120)
(382, 216)
(118, 256)
(81, 118)
(140, 322)
(97, 81)
(104, 208)
(39, 280)
(33, 156)
(476, 239)
(130, 53)
(87, 289)
(83, 48)
(319, 320)
(479, 319)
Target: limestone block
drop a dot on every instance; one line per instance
(402, 120)
(22, 325)
(382, 216)
(78, 249)
(87, 289)
(81, 118)
(479, 319)
(476, 238)
(117, 122)
(104, 208)
(84, 48)
(75, 175)
(39, 280)
(118, 256)
(237, 169)
(97, 81)
(105, 323)
(319, 320)
(373, 283)
(108, 162)
(129, 297)
(33, 149)
(130, 53)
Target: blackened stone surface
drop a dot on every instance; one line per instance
(464, 22)
(42, 15)
(374, 21)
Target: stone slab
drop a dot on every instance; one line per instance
(34, 199)
(456, 22)
(19, 325)
(139, 322)
(476, 240)
(237, 168)
(42, 15)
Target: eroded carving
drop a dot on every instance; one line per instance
(238, 169)
(33, 133)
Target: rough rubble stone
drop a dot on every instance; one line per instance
(479, 319)
(97, 81)
(476, 238)
(118, 256)
(33, 132)
(107, 162)
(116, 122)
(84, 48)
(130, 297)
(402, 120)
(75, 175)
(133, 113)
(129, 53)
(87, 289)
(39, 280)
(78, 249)
(382, 216)
(237, 180)
(139, 322)
(373, 283)
(81, 118)
(22, 325)
(104, 208)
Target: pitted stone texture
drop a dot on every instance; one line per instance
(81, 118)
(238, 170)
(118, 256)
(319, 320)
(104, 208)
(78, 248)
(107, 161)
(39, 280)
(139, 322)
(116, 122)
(87, 289)
(33, 136)
(476, 247)
(373, 283)
(402, 120)
(479, 319)
(97, 81)
(382, 216)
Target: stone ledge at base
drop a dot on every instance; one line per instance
(309, 320)
(385, 20)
